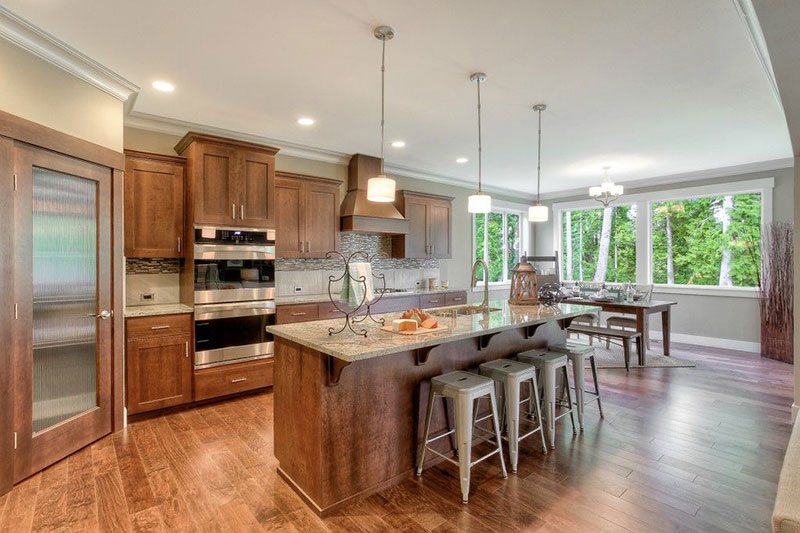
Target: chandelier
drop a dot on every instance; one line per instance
(606, 192)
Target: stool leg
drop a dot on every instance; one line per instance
(535, 397)
(550, 404)
(512, 420)
(449, 421)
(596, 385)
(424, 444)
(497, 432)
(578, 374)
(464, 421)
(569, 401)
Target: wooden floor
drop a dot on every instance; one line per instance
(680, 449)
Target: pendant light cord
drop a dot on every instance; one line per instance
(480, 147)
(383, 84)
(539, 163)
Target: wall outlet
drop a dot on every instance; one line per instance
(147, 296)
(298, 289)
(418, 284)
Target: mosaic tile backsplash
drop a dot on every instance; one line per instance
(152, 266)
(350, 242)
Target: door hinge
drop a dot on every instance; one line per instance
(15, 440)
(15, 181)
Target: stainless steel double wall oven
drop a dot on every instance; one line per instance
(234, 294)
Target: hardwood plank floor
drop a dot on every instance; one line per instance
(690, 449)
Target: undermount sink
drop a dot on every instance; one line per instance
(463, 310)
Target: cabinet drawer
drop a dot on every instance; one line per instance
(432, 300)
(455, 298)
(230, 379)
(297, 313)
(159, 326)
(400, 303)
(327, 311)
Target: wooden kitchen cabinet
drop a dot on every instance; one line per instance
(154, 214)
(430, 226)
(307, 216)
(159, 362)
(231, 183)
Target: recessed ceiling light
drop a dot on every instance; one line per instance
(163, 86)
(305, 121)
(462, 160)
(399, 144)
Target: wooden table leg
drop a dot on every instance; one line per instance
(641, 350)
(626, 353)
(665, 328)
(641, 323)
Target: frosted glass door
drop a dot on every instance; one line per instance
(64, 297)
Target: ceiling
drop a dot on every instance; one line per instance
(652, 88)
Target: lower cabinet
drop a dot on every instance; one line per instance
(159, 362)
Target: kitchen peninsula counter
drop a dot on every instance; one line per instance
(348, 410)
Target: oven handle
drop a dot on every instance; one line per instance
(210, 312)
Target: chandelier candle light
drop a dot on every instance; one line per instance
(380, 188)
(607, 192)
(539, 212)
(479, 202)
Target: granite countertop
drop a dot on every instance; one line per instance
(319, 298)
(158, 309)
(350, 347)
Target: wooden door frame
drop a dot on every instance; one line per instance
(16, 128)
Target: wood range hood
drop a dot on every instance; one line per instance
(358, 213)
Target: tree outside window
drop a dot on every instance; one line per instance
(599, 244)
(498, 242)
(712, 240)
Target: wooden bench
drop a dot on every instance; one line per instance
(625, 336)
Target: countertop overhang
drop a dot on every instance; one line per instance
(350, 347)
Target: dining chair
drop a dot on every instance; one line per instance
(626, 322)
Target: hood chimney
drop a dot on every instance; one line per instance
(358, 213)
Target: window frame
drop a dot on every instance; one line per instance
(505, 208)
(644, 241)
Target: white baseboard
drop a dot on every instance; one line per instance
(713, 342)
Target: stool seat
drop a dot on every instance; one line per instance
(500, 368)
(541, 359)
(460, 382)
(571, 348)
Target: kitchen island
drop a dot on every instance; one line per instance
(348, 410)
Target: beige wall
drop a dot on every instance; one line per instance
(455, 270)
(38, 91)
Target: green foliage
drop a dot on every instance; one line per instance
(586, 228)
(698, 240)
(494, 241)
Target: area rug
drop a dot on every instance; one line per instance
(613, 357)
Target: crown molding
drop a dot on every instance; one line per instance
(40, 43)
(710, 173)
(747, 14)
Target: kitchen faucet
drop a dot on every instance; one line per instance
(481, 262)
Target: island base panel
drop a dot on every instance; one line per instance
(337, 443)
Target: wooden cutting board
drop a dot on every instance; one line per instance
(419, 331)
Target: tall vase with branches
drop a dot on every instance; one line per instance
(776, 291)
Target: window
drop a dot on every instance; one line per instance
(713, 240)
(599, 244)
(497, 240)
(692, 240)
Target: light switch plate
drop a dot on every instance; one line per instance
(147, 296)
(298, 289)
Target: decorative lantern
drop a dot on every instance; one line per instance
(524, 289)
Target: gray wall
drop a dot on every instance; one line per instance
(725, 317)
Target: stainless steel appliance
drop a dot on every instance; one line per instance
(234, 291)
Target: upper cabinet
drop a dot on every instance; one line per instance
(154, 215)
(307, 215)
(430, 226)
(231, 183)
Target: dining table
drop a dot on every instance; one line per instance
(642, 309)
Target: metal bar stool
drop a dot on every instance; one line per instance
(465, 389)
(548, 364)
(578, 353)
(510, 375)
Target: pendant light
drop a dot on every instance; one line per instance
(607, 192)
(479, 202)
(380, 188)
(539, 212)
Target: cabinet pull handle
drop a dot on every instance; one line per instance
(186, 349)
(238, 380)
(302, 246)
(241, 211)
(298, 313)
(179, 245)
(233, 211)
(308, 246)
(433, 301)
(160, 327)
(457, 299)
